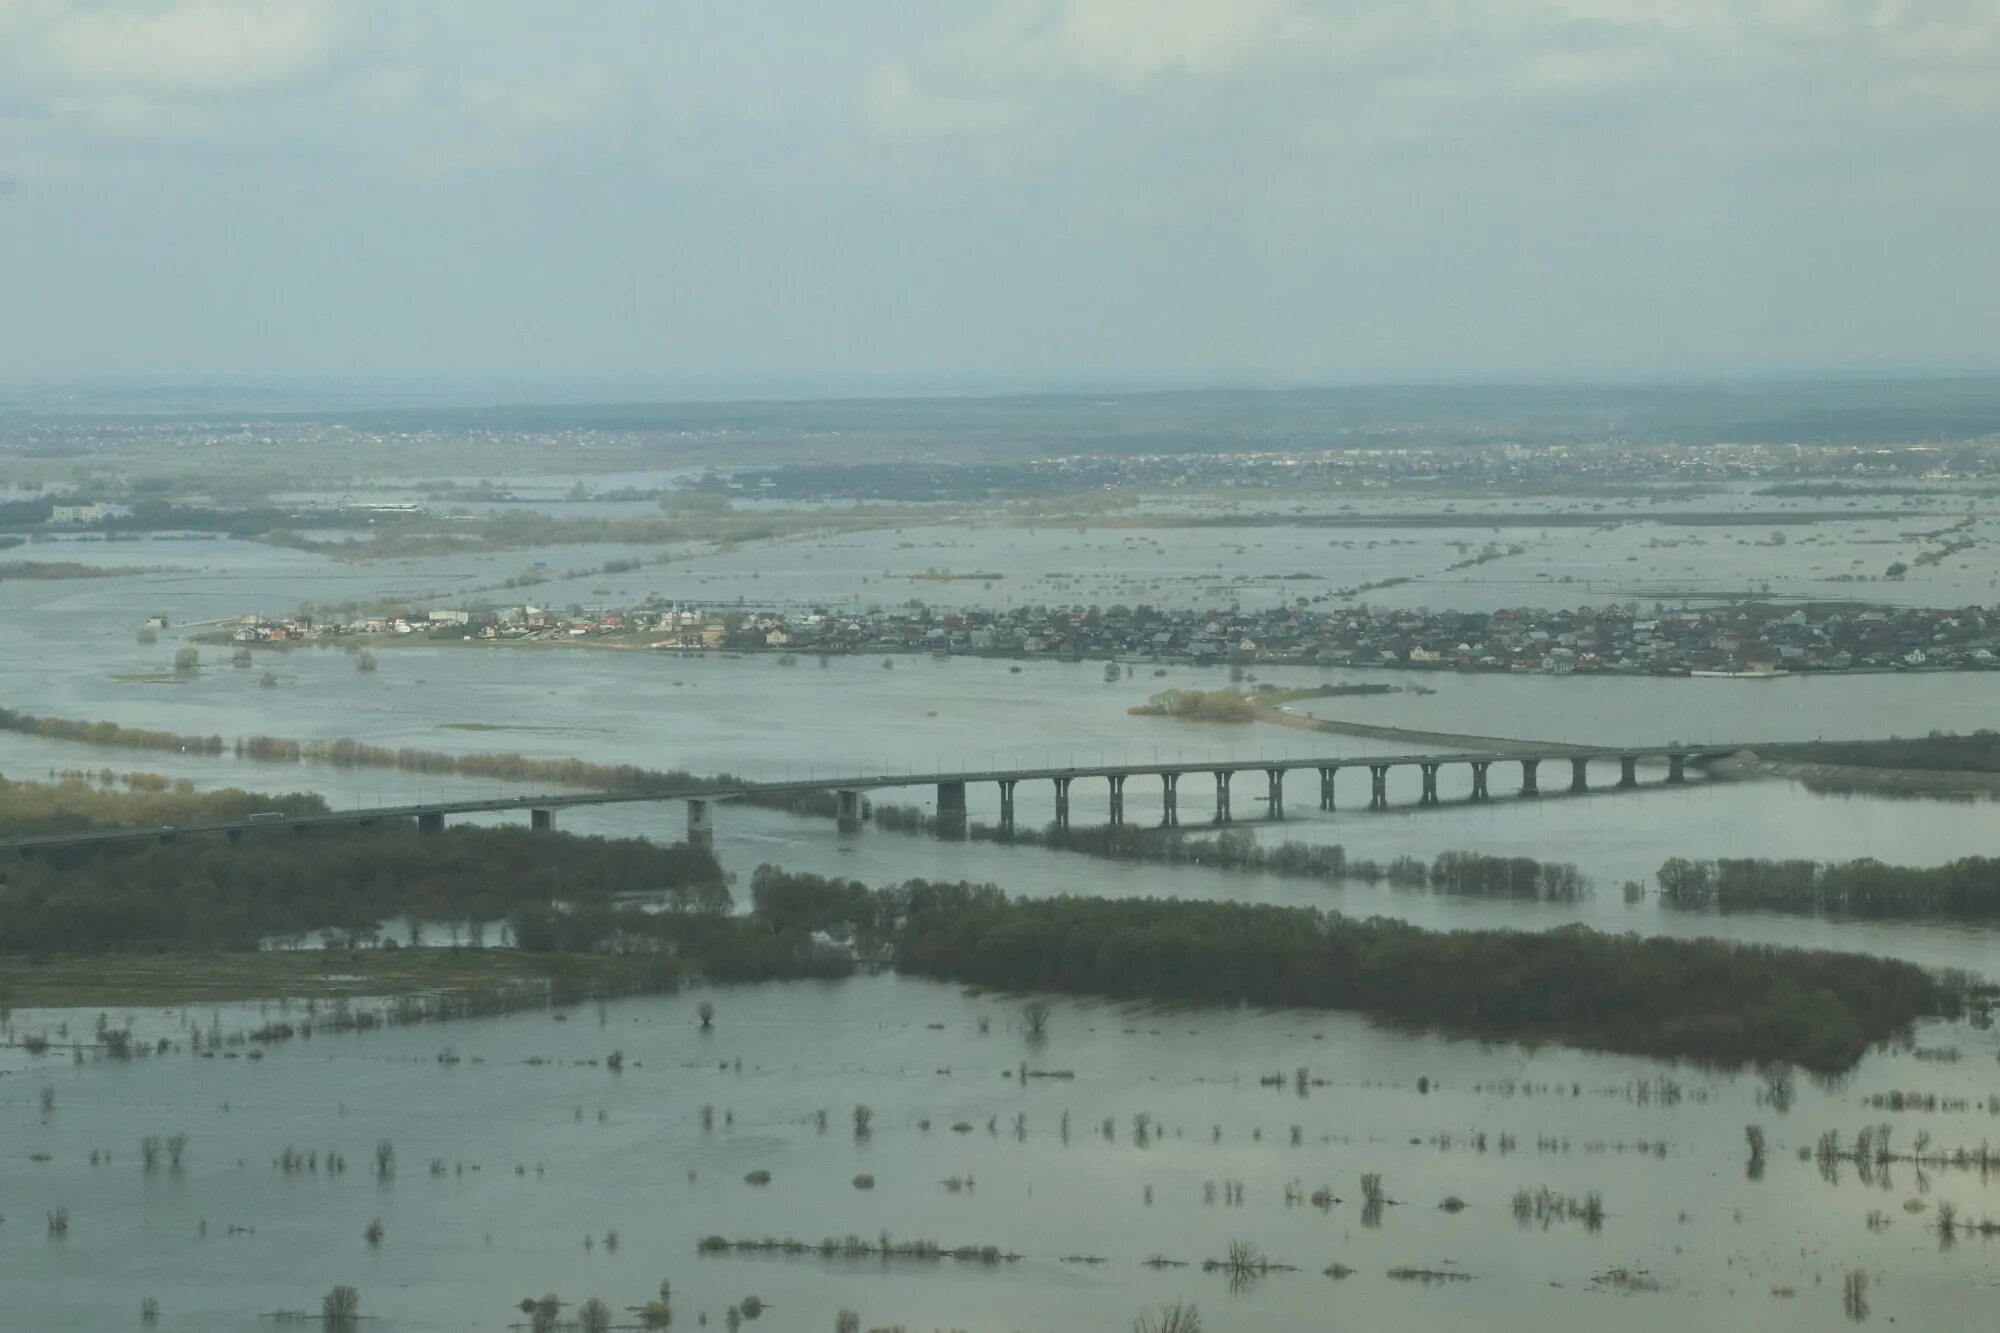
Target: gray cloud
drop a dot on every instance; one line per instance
(1198, 188)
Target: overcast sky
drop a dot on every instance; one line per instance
(993, 191)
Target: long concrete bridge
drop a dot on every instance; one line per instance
(950, 786)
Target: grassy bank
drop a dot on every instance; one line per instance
(1940, 764)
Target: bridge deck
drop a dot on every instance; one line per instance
(870, 782)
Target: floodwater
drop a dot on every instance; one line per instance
(600, 1151)
(1635, 555)
(461, 1248)
(755, 717)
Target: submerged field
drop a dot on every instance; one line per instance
(526, 1160)
(1086, 1162)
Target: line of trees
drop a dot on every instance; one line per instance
(106, 733)
(1966, 889)
(571, 896)
(558, 895)
(1702, 999)
(348, 753)
(74, 803)
(1467, 874)
(1941, 751)
(213, 894)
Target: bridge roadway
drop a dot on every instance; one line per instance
(951, 785)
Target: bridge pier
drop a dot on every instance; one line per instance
(701, 825)
(1479, 780)
(1276, 777)
(1628, 770)
(1430, 796)
(1677, 769)
(1007, 807)
(1528, 787)
(1326, 787)
(1062, 803)
(847, 809)
(1378, 786)
(430, 821)
(1579, 774)
(1222, 777)
(233, 835)
(951, 809)
(540, 820)
(1170, 800)
(1117, 781)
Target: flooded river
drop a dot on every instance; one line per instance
(542, 1150)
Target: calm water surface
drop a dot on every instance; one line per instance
(602, 1151)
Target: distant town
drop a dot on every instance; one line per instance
(1748, 639)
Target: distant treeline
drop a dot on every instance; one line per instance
(1966, 889)
(163, 516)
(71, 569)
(426, 535)
(359, 754)
(209, 893)
(107, 733)
(1702, 999)
(1830, 490)
(73, 804)
(1938, 752)
(1469, 874)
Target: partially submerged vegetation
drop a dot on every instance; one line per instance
(1939, 752)
(75, 802)
(445, 534)
(1967, 889)
(1243, 705)
(211, 894)
(71, 569)
(345, 753)
(566, 896)
(1699, 999)
(1464, 874)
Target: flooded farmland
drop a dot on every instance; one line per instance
(523, 1164)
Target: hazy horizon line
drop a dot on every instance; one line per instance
(502, 390)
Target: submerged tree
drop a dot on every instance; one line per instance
(1035, 1017)
(340, 1309)
(1175, 1318)
(1854, 1295)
